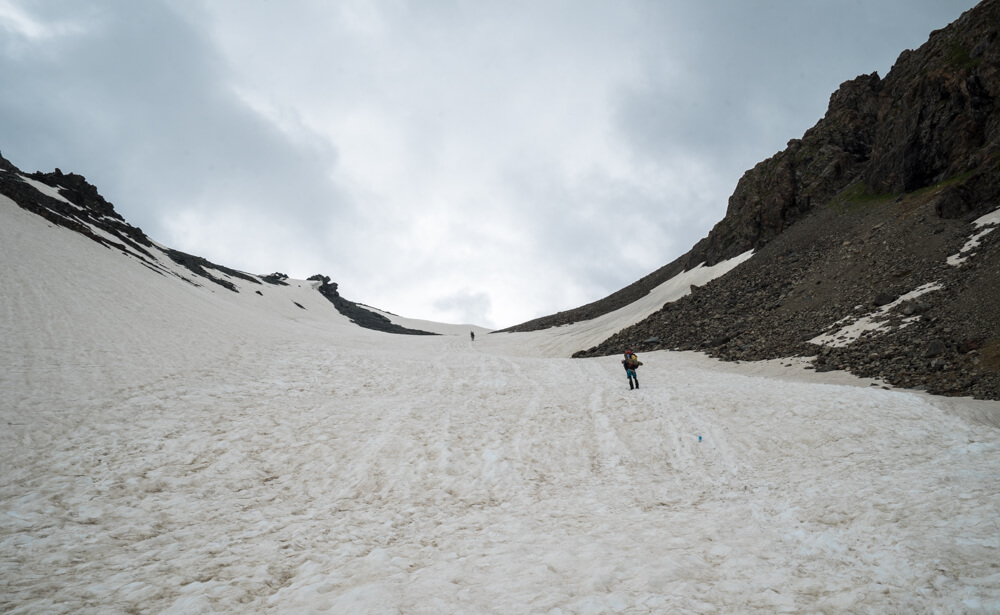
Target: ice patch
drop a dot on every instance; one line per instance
(990, 219)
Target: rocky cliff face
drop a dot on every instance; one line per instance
(932, 118)
(867, 206)
(782, 189)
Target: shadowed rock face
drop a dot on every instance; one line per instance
(359, 315)
(782, 189)
(871, 201)
(937, 117)
(932, 118)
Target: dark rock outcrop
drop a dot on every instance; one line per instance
(81, 208)
(359, 315)
(200, 266)
(277, 278)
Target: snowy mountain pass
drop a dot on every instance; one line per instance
(565, 340)
(181, 449)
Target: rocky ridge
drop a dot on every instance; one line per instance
(68, 200)
(867, 206)
(357, 313)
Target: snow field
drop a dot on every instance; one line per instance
(176, 449)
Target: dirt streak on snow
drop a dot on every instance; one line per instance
(181, 449)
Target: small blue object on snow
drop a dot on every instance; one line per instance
(699, 438)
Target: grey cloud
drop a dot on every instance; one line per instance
(738, 80)
(138, 101)
(467, 307)
(599, 232)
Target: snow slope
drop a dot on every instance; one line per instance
(168, 448)
(430, 326)
(565, 340)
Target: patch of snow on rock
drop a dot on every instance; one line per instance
(990, 221)
(852, 329)
(47, 190)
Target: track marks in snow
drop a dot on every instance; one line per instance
(296, 474)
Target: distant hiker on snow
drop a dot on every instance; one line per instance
(631, 362)
(472, 334)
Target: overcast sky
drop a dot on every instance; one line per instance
(461, 161)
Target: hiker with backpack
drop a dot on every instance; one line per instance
(631, 363)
